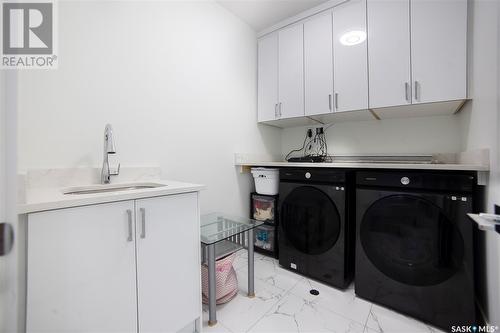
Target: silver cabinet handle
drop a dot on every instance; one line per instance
(407, 92)
(330, 101)
(143, 222)
(336, 101)
(417, 95)
(279, 110)
(129, 216)
(276, 110)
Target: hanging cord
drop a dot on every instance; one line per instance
(297, 150)
(316, 146)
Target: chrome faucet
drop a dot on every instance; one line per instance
(109, 148)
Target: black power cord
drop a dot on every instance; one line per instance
(318, 142)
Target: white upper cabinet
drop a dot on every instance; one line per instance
(438, 50)
(389, 52)
(364, 54)
(267, 77)
(291, 72)
(318, 64)
(350, 56)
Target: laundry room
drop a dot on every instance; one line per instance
(250, 166)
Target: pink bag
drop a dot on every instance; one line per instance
(226, 284)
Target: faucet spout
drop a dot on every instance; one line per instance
(109, 148)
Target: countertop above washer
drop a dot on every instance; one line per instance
(417, 166)
(477, 160)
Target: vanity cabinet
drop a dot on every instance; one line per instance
(81, 270)
(130, 266)
(168, 262)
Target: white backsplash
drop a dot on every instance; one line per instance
(64, 177)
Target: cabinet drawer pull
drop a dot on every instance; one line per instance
(336, 101)
(330, 101)
(143, 222)
(407, 92)
(129, 216)
(276, 110)
(417, 93)
(279, 110)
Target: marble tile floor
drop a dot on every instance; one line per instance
(283, 304)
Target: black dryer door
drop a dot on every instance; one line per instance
(310, 220)
(410, 240)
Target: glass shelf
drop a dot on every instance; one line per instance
(216, 227)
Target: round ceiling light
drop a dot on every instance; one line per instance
(353, 37)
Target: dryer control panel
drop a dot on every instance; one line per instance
(313, 175)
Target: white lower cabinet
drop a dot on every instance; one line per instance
(92, 268)
(168, 262)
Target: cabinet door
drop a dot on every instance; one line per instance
(168, 262)
(389, 52)
(267, 77)
(81, 270)
(318, 64)
(350, 56)
(291, 72)
(438, 50)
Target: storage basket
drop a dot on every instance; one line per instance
(266, 180)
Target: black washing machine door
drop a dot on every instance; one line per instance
(311, 231)
(414, 253)
(411, 240)
(310, 220)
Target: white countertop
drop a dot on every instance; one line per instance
(365, 165)
(49, 198)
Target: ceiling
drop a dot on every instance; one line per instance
(260, 14)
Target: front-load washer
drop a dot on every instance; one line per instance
(414, 244)
(315, 238)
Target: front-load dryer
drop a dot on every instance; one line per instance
(414, 244)
(315, 238)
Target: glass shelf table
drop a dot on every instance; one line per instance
(222, 235)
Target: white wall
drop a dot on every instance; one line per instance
(11, 278)
(176, 79)
(439, 134)
(480, 129)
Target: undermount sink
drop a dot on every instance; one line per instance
(95, 189)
